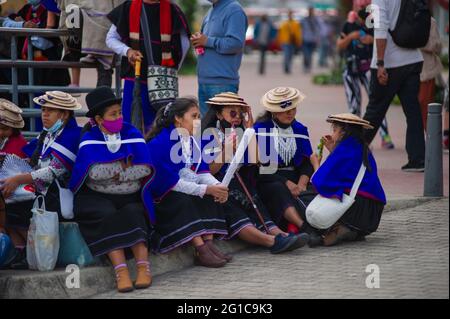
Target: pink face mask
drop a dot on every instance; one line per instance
(113, 126)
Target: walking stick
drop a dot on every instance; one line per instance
(250, 198)
(137, 119)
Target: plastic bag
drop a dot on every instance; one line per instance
(6, 249)
(73, 248)
(43, 238)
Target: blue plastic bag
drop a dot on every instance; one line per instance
(6, 249)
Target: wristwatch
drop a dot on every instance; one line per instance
(380, 63)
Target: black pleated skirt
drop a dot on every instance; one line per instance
(110, 222)
(363, 217)
(276, 196)
(239, 212)
(181, 217)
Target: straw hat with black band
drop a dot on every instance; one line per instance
(282, 99)
(10, 115)
(349, 119)
(58, 100)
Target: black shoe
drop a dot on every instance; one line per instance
(20, 261)
(302, 240)
(315, 240)
(414, 167)
(283, 244)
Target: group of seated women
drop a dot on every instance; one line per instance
(135, 194)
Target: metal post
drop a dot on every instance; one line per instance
(14, 76)
(31, 83)
(434, 179)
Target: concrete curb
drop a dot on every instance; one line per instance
(100, 279)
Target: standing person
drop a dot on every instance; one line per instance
(52, 156)
(169, 33)
(311, 32)
(230, 113)
(290, 38)
(44, 49)
(357, 42)
(187, 197)
(91, 46)
(432, 68)
(107, 179)
(324, 42)
(222, 36)
(264, 34)
(284, 145)
(396, 70)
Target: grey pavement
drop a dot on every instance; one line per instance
(410, 249)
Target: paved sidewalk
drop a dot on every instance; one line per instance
(411, 249)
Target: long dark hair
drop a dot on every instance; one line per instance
(357, 132)
(88, 126)
(37, 152)
(210, 119)
(266, 116)
(166, 115)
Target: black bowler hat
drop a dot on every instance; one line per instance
(99, 99)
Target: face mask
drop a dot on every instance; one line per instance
(34, 2)
(113, 126)
(59, 123)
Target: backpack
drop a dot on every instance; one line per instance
(412, 30)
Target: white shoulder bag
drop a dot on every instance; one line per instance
(322, 212)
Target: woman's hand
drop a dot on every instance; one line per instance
(329, 143)
(293, 188)
(133, 56)
(249, 122)
(8, 186)
(219, 192)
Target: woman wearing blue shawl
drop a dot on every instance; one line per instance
(230, 114)
(187, 197)
(112, 166)
(336, 176)
(52, 156)
(284, 145)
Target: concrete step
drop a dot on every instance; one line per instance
(99, 279)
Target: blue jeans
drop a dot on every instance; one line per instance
(208, 91)
(308, 51)
(288, 51)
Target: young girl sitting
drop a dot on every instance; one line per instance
(230, 113)
(336, 176)
(187, 196)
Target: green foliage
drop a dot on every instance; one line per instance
(189, 7)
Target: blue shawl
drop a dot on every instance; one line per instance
(304, 149)
(64, 148)
(167, 170)
(91, 153)
(338, 173)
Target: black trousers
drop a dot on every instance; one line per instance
(404, 82)
(262, 59)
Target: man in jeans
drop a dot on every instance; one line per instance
(223, 39)
(396, 71)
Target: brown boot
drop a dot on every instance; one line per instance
(338, 234)
(144, 275)
(124, 283)
(206, 258)
(217, 252)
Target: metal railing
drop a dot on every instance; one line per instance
(15, 64)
